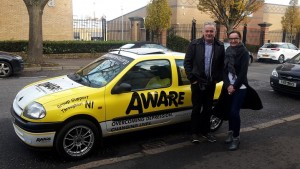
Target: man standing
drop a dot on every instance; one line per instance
(203, 63)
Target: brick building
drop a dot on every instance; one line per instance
(57, 20)
(184, 11)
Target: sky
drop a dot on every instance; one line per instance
(115, 8)
(109, 8)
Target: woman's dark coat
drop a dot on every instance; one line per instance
(252, 99)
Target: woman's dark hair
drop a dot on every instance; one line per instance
(237, 32)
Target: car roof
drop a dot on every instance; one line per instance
(280, 43)
(136, 53)
(140, 43)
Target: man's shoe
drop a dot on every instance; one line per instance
(209, 137)
(229, 137)
(234, 145)
(195, 138)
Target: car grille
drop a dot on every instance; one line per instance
(292, 78)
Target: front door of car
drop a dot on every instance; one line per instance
(150, 101)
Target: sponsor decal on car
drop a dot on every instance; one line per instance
(141, 101)
(43, 140)
(138, 122)
(75, 102)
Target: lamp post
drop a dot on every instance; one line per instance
(94, 12)
(122, 23)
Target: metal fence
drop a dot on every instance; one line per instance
(99, 29)
(88, 29)
(254, 36)
(118, 30)
(185, 30)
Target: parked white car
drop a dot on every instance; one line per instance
(277, 51)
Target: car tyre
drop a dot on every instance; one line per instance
(5, 69)
(77, 139)
(215, 123)
(281, 59)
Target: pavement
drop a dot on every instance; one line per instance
(272, 145)
(62, 64)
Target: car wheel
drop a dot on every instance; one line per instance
(215, 123)
(77, 139)
(281, 59)
(5, 69)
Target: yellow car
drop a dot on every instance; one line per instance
(122, 91)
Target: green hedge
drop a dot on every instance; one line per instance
(59, 47)
(253, 48)
(174, 43)
(13, 46)
(177, 43)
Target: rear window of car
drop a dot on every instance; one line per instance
(271, 45)
(127, 46)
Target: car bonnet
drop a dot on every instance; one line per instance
(289, 68)
(43, 88)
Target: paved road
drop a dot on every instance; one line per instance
(273, 147)
(169, 147)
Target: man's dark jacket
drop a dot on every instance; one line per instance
(194, 62)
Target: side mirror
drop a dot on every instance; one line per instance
(123, 87)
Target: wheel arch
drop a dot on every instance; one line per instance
(81, 117)
(98, 136)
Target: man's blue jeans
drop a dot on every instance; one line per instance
(234, 113)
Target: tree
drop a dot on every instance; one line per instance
(229, 13)
(291, 21)
(158, 17)
(35, 10)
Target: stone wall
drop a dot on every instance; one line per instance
(57, 20)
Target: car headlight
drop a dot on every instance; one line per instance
(19, 58)
(34, 111)
(274, 73)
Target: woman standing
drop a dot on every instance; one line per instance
(236, 86)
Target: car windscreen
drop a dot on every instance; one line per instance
(295, 59)
(101, 71)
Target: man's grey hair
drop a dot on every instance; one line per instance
(210, 23)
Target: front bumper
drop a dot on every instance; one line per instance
(34, 134)
(18, 65)
(274, 82)
(35, 139)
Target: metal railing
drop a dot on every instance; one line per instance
(88, 29)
